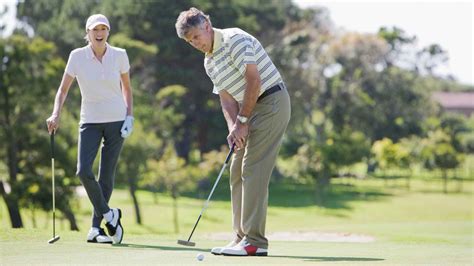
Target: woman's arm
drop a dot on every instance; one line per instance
(127, 92)
(53, 120)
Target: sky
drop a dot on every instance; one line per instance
(447, 23)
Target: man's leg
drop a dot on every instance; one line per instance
(110, 152)
(266, 132)
(236, 200)
(236, 193)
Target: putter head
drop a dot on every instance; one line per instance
(54, 239)
(186, 243)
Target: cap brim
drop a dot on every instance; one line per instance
(93, 25)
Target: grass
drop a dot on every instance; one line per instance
(420, 225)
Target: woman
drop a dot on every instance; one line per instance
(102, 72)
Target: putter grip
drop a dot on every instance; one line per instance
(52, 144)
(230, 153)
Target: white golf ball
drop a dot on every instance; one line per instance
(200, 256)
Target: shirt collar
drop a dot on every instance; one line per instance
(90, 53)
(218, 39)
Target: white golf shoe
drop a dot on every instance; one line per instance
(97, 235)
(218, 250)
(244, 248)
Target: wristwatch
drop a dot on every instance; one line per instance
(242, 119)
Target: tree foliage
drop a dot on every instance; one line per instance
(349, 91)
(29, 67)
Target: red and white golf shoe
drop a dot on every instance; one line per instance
(244, 248)
(218, 250)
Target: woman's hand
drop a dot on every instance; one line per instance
(52, 123)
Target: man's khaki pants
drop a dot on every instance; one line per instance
(252, 167)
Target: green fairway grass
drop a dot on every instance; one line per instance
(417, 226)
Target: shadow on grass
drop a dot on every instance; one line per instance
(168, 248)
(339, 196)
(308, 258)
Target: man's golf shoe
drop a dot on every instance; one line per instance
(218, 250)
(244, 248)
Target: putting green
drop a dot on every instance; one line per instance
(364, 223)
(30, 247)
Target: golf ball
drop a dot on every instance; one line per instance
(200, 256)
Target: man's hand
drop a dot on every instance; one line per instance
(53, 123)
(127, 126)
(238, 135)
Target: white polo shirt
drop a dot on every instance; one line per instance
(100, 84)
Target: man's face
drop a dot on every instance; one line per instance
(200, 37)
(98, 35)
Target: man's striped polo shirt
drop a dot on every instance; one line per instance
(233, 50)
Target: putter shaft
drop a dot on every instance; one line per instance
(189, 243)
(55, 237)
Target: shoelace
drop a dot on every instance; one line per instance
(244, 243)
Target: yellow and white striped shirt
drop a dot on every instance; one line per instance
(233, 50)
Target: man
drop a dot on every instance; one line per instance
(256, 107)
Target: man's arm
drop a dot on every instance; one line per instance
(230, 109)
(252, 80)
(239, 131)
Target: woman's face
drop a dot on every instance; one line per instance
(98, 35)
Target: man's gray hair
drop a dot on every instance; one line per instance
(189, 19)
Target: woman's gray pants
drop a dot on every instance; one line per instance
(91, 136)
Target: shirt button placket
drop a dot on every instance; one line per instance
(103, 68)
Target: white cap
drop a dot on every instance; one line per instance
(97, 19)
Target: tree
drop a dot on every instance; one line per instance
(389, 155)
(371, 95)
(141, 144)
(398, 40)
(429, 58)
(172, 174)
(138, 148)
(323, 161)
(438, 152)
(30, 69)
(50, 18)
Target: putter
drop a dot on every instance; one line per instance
(188, 242)
(55, 237)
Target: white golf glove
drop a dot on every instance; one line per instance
(127, 126)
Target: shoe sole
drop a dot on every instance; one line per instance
(261, 254)
(97, 242)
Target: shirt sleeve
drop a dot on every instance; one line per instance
(124, 64)
(242, 52)
(71, 69)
